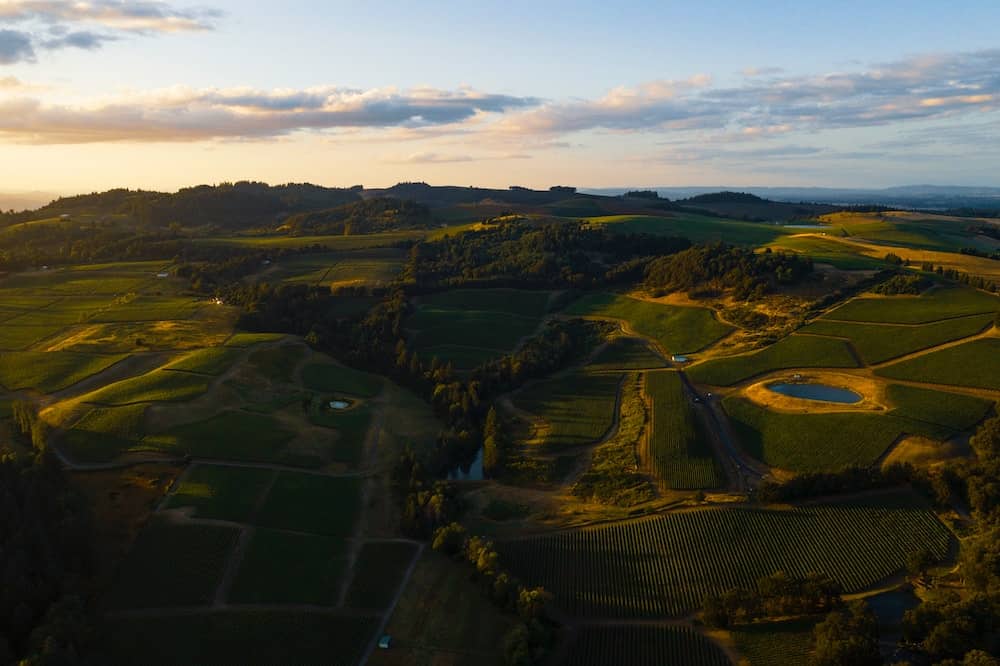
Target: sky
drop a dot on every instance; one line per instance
(163, 94)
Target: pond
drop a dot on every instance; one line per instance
(471, 472)
(817, 392)
(339, 404)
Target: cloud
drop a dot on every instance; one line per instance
(751, 72)
(51, 26)
(194, 115)
(131, 16)
(917, 88)
(15, 46)
(438, 158)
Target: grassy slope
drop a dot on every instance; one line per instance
(934, 305)
(878, 342)
(578, 408)
(221, 493)
(975, 364)
(795, 351)
(678, 329)
(50, 371)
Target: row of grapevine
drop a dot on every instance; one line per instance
(682, 457)
(643, 645)
(667, 565)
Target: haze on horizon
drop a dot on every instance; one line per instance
(161, 95)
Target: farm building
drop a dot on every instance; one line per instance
(678, 358)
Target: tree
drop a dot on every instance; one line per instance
(492, 443)
(847, 638)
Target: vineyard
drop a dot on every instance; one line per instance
(643, 646)
(667, 565)
(682, 458)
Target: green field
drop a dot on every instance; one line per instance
(577, 408)
(172, 565)
(944, 414)
(643, 645)
(340, 243)
(371, 266)
(813, 442)
(520, 302)
(104, 433)
(330, 378)
(468, 327)
(312, 503)
(233, 435)
(15, 337)
(264, 638)
(48, 372)
(679, 330)
(352, 428)
(829, 251)
(626, 354)
(156, 386)
(278, 363)
(444, 615)
(148, 308)
(682, 455)
(795, 351)
(787, 643)
(220, 493)
(880, 342)
(283, 567)
(943, 302)
(975, 364)
(697, 228)
(212, 361)
(667, 565)
(251, 339)
(378, 574)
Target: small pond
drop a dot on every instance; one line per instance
(340, 404)
(471, 472)
(817, 392)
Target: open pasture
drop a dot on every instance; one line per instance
(821, 442)
(944, 413)
(677, 329)
(156, 386)
(877, 343)
(48, 372)
(278, 363)
(209, 361)
(523, 302)
(974, 364)
(626, 354)
(172, 565)
(697, 228)
(312, 503)
(643, 645)
(467, 327)
(795, 351)
(232, 435)
(378, 573)
(16, 337)
(330, 378)
(104, 433)
(133, 336)
(264, 637)
(667, 565)
(284, 567)
(681, 454)
(445, 618)
(148, 308)
(908, 230)
(219, 492)
(251, 339)
(829, 250)
(578, 408)
(339, 243)
(942, 302)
